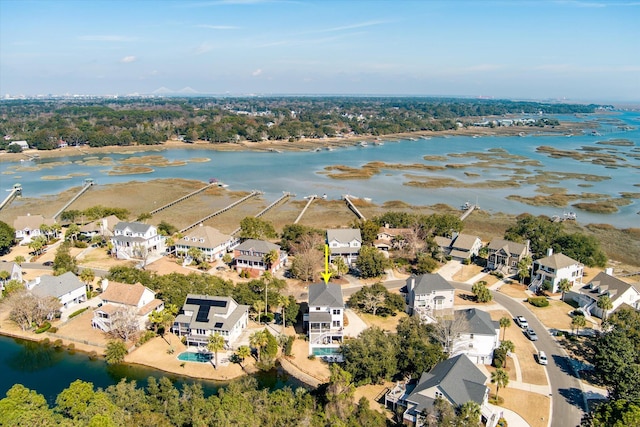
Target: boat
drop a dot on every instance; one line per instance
(425, 137)
(317, 149)
(363, 144)
(521, 134)
(570, 216)
(378, 143)
(330, 148)
(413, 139)
(466, 206)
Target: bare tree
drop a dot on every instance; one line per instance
(414, 240)
(306, 264)
(124, 323)
(372, 302)
(448, 332)
(27, 309)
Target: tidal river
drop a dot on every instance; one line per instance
(538, 173)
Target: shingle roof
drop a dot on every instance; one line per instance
(464, 242)
(325, 295)
(135, 227)
(259, 246)
(443, 242)
(344, 235)
(211, 312)
(57, 286)
(96, 226)
(123, 293)
(427, 283)
(478, 322)
(508, 246)
(613, 285)
(31, 222)
(458, 378)
(212, 238)
(557, 261)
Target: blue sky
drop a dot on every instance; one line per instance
(579, 50)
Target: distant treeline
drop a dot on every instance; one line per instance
(43, 123)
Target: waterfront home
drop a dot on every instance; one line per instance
(345, 243)
(251, 256)
(464, 246)
(22, 144)
(12, 271)
(102, 227)
(456, 380)
(121, 300)
(604, 283)
(28, 226)
(325, 319)
(550, 270)
(67, 288)
(136, 240)
(428, 296)
(504, 255)
(205, 315)
(390, 238)
(479, 337)
(209, 240)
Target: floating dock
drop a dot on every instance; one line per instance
(223, 210)
(88, 183)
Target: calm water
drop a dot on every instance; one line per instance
(302, 172)
(49, 371)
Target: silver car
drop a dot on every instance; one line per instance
(531, 334)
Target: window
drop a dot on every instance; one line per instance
(438, 394)
(471, 336)
(470, 345)
(336, 323)
(336, 312)
(317, 308)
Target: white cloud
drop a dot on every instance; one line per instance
(128, 59)
(257, 72)
(106, 38)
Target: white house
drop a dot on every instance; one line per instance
(456, 380)
(480, 337)
(204, 315)
(325, 319)
(22, 144)
(12, 269)
(28, 226)
(136, 240)
(250, 256)
(120, 299)
(553, 268)
(390, 238)
(429, 296)
(345, 243)
(209, 240)
(604, 283)
(101, 227)
(465, 246)
(66, 287)
(504, 255)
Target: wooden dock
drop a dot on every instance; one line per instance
(284, 196)
(311, 199)
(88, 183)
(223, 210)
(183, 198)
(353, 208)
(15, 192)
(468, 212)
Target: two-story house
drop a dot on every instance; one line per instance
(101, 227)
(205, 315)
(604, 283)
(552, 269)
(209, 240)
(9, 271)
(464, 246)
(121, 299)
(391, 238)
(250, 256)
(345, 243)
(28, 226)
(325, 319)
(67, 288)
(479, 338)
(428, 296)
(504, 255)
(136, 240)
(456, 380)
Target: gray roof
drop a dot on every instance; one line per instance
(428, 283)
(479, 322)
(344, 235)
(319, 317)
(458, 378)
(257, 246)
(211, 312)
(508, 246)
(136, 227)
(325, 295)
(464, 242)
(557, 261)
(613, 285)
(57, 286)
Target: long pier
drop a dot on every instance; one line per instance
(468, 212)
(311, 199)
(15, 191)
(353, 208)
(183, 198)
(285, 195)
(223, 210)
(88, 183)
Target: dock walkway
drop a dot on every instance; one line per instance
(353, 208)
(311, 199)
(468, 212)
(183, 198)
(223, 210)
(265, 210)
(15, 192)
(87, 185)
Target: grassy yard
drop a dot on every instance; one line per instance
(389, 323)
(467, 272)
(533, 407)
(514, 290)
(556, 315)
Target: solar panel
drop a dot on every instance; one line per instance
(218, 325)
(204, 305)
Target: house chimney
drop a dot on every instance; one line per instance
(549, 251)
(37, 280)
(105, 284)
(412, 283)
(609, 271)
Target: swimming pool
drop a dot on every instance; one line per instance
(190, 356)
(326, 351)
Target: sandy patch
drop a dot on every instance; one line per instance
(533, 407)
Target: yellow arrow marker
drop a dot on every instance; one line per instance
(327, 274)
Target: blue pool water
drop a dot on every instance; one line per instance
(326, 351)
(189, 356)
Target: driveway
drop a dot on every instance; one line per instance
(355, 326)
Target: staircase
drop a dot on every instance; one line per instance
(99, 323)
(320, 338)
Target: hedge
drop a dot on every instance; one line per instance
(77, 312)
(44, 328)
(538, 301)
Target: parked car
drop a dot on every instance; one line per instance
(531, 334)
(542, 358)
(48, 263)
(522, 322)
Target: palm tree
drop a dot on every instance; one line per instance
(242, 353)
(19, 259)
(508, 347)
(505, 322)
(284, 302)
(258, 306)
(270, 258)
(258, 340)
(501, 378)
(88, 276)
(215, 344)
(470, 413)
(578, 322)
(565, 286)
(341, 267)
(604, 303)
(72, 232)
(523, 268)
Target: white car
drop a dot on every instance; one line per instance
(542, 358)
(522, 322)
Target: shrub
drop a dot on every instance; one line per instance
(44, 328)
(466, 261)
(499, 357)
(312, 357)
(266, 317)
(538, 301)
(288, 346)
(148, 335)
(80, 244)
(57, 343)
(78, 312)
(93, 355)
(498, 274)
(45, 342)
(502, 422)
(115, 352)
